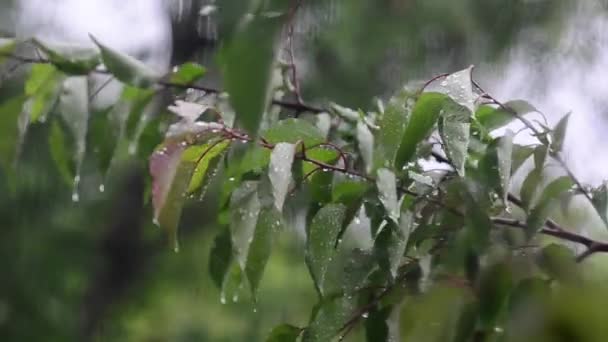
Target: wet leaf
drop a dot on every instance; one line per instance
(292, 131)
(126, 68)
(454, 128)
(365, 140)
(421, 123)
(244, 211)
(322, 235)
(220, 257)
(188, 73)
(71, 59)
(387, 189)
(42, 88)
(546, 202)
(208, 153)
(328, 318)
(248, 79)
(559, 263)
(268, 226)
(279, 171)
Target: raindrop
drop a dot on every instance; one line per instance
(223, 298)
(75, 196)
(102, 188)
(155, 222)
(235, 298)
(255, 310)
(365, 315)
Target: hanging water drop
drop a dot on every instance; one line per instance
(102, 188)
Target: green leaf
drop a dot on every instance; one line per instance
(248, 79)
(126, 68)
(559, 263)
(220, 257)
(504, 151)
(454, 128)
(7, 46)
(365, 140)
(519, 156)
(42, 88)
(268, 226)
(245, 207)
(59, 152)
(421, 123)
(559, 134)
(459, 87)
(388, 138)
(391, 242)
(600, 202)
(292, 131)
(171, 167)
(322, 235)
(329, 317)
(284, 333)
(207, 154)
(10, 111)
(279, 172)
(387, 189)
(74, 109)
(548, 200)
(188, 73)
(492, 118)
(494, 287)
(71, 59)
(529, 187)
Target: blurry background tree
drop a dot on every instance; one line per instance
(82, 258)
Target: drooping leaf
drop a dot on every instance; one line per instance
(292, 131)
(328, 318)
(71, 59)
(559, 134)
(454, 128)
(284, 333)
(42, 89)
(248, 79)
(391, 242)
(9, 131)
(529, 187)
(188, 73)
(494, 287)
(244, 211)
(279, 171)
(208, 153)
(424, 117)
(126, 68)
(359, 266)
(220, 257)
(74, 108)
(60, 152)
(504, 151)
(266, 230)
(389, 136)
(546, 202)
(387, 189)
(365, 140)
(520, 155)
(322, 235)
(171, 167)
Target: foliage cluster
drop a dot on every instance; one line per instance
(411, 229)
